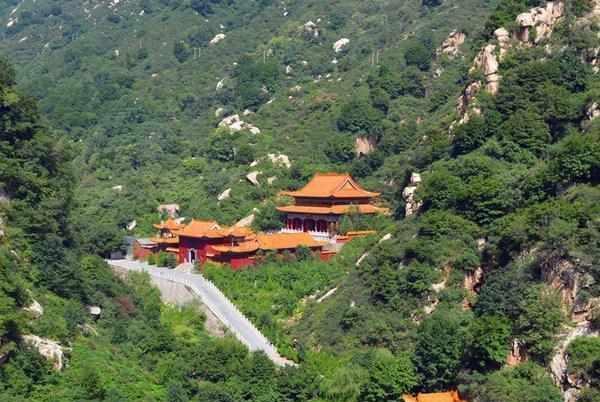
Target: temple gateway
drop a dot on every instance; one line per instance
(319, 206)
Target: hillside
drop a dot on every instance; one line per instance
(136, 83)
(478, 121)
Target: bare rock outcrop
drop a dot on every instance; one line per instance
(35, 309)
(234, 124)
(467, 103)
(540, 20)
(503, 38)
(94, 311)
(592, 57)
(592, 111)
(364, 145)
(561, 275)
(568, 278)
(224, 195)
(245, 221)
(49, 349)
(280, 160)
(487, 62)
(412, 205)
(218, 38)
(451, 45)
(311, 30)
(172, 210)
(473, 280)
(341, 45)
(252, 177)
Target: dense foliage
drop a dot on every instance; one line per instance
(134, 93)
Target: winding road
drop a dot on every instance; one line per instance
(216, 302)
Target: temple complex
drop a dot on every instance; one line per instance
(312, 222)
(205, 240)
(319, 206)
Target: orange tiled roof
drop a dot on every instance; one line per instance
(228, 231)
(212, 230)
(333, 210)
(198, 228)
(243, 247)
(332, 185)
(283, 241)
(165, 240)
(169, 224)
(451, 396)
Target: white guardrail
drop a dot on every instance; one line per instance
(202, 287)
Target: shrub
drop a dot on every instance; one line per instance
(152, 259)
(526, 382)
(418, 54)
(441, 341)
(389, 378)
(358, 116)
(584, 359)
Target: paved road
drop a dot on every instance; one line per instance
(214, 299)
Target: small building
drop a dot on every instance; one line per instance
(167, 238)
(319, 206)
(451, 396)
(143, 248)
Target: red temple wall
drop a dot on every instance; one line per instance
(141, 253)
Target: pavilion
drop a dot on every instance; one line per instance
(319, 206)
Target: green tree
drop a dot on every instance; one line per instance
(344, 385)
(358, 116)
(418, 54)
(181, 51)
(577, 158)
(470, 136)
(389, 378)
(267, 218)
(527, 382)
(441, 342)
(340, 149)
(527, 129)
(584, 360)
(489, 342)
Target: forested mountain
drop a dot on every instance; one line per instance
(477, 121)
